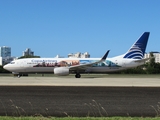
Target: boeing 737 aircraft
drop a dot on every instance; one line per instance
(64, 66)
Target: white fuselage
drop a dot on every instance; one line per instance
(36, 65)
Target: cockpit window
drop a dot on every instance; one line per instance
(12, 62)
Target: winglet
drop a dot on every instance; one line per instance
(105, 56)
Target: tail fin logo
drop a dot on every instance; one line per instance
(138, 48)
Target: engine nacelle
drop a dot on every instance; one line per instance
(61, 71)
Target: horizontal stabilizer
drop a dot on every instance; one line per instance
(143, 60)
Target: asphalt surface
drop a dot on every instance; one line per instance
(62, 100)
(62, 81)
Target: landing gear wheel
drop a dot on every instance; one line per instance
(18, 75)
(77, 76)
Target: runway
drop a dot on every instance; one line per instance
(96, 97)
(62, 81)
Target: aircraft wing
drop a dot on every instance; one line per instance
(89, 64)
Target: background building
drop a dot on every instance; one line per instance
(5, 55)
(79, 55)
(6, 60)
(28, 52)
(5, 51)
(156, 55)
(58, 56)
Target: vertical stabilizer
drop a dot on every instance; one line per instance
(138, 48)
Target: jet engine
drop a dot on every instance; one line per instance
(61, 71)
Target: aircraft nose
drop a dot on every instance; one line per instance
(5, 67)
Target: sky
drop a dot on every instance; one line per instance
(51, 27)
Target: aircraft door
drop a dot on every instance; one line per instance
(22, 64)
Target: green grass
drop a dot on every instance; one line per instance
(79, 118)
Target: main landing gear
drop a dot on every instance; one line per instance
(77, 75)
(20, 75)
(17, 75)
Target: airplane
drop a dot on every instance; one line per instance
(64, 66)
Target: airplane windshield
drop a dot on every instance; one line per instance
(12, 62)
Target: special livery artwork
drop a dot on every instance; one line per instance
(67, 63)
